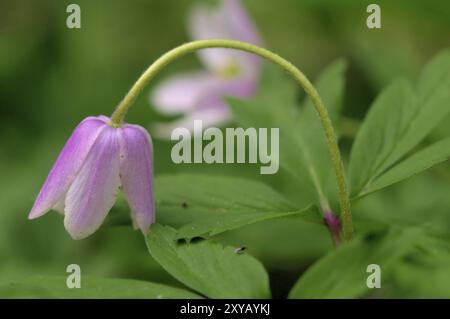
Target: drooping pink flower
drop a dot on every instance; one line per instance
(84, 181)
(199, 95)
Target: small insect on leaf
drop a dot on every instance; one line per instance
(240, 250)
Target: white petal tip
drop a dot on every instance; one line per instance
(77, 235)
(79, 232)
(36, 213)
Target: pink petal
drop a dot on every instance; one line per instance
(67, 166)
(211, 116)
(240, 25)
(237, 87)
(228, 21)
(185, 93)
(136, 171)
(181, 93)
(242, 28)
(205, 23)
(104, 118)
(211, 107)
(93, 192)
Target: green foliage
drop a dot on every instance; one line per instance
(209, 205)
(397, 122)
(342, 273)
(52, 77)
(303, 148)
(422, 274)
(208, 267)
(55, 287)
(416, 163)
(407, 258)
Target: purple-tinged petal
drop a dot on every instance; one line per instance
(216, 114)
(185, 93)
(211, 108)
(93, 192)
(228, 21)
(59, 206)
(181, 93)
(240, 25)
(67, 166)
(239, 87)
(205, 23)
(242, 28)
(104, 118)
(136, 172)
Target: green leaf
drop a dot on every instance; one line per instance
(423, 273)
(208, 267)
(307, 137)
(207, 205)
(398, 121)
(425, 278)
(418, 162)
(55, 287)
(303, 148)
(421, 202)
(343, 272)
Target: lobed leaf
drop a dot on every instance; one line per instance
(303, 148)
(397, 122)
(207, 205)
(343, 272)
(208, 267)
(418, 162)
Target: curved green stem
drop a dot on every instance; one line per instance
(301, 79)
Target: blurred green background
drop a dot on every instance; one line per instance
(52, 77)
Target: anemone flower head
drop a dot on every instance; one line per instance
(199, 95)
(84, 181)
